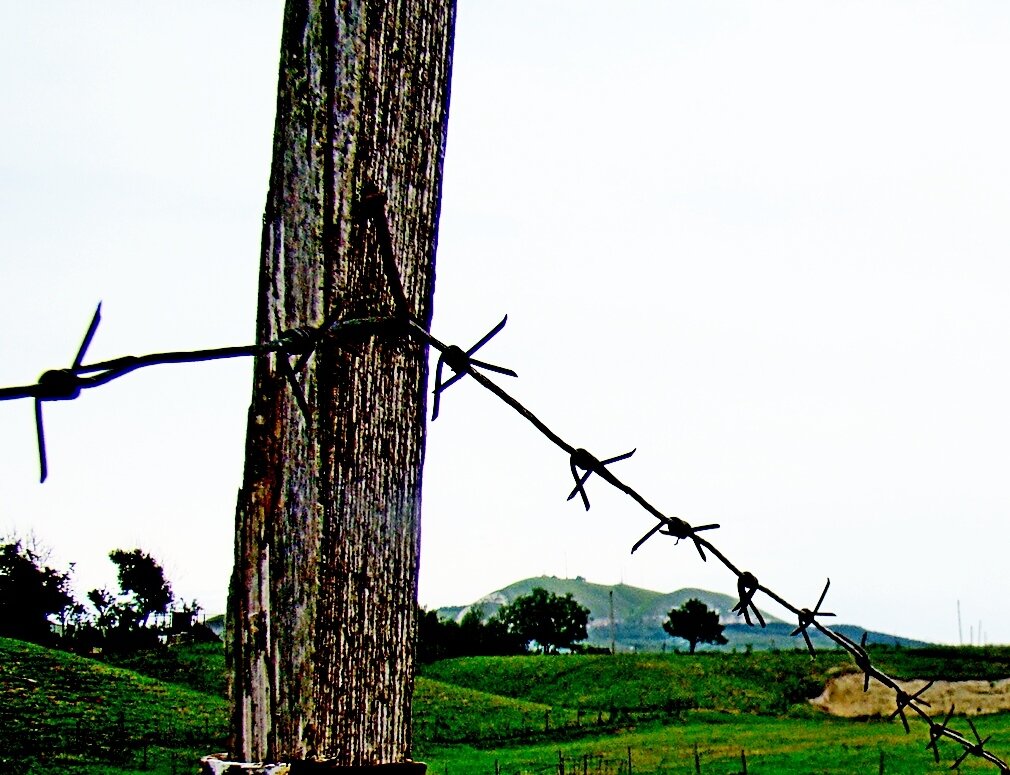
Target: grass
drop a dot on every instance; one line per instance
(199, 666)
(783, 745)
(61, 713)
(946, 663)
(444, 713)
(766, 683)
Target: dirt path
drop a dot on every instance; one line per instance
(844, 696)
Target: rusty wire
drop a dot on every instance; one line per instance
(67, 384)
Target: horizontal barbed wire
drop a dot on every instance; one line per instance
(67, 384)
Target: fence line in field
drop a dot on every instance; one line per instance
(300, 343)
(593, 763)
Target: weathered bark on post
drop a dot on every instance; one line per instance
(322, 600)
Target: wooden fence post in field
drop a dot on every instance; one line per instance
(323, 593)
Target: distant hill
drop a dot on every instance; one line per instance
(639, 614)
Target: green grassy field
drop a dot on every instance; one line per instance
(61, 713)
(771, 745)
(648, 684)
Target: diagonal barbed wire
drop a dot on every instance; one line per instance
(67, 384)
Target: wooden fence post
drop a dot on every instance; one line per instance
(323, 596)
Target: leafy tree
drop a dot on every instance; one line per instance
(439, 638)
(102, 601)
(434, 637)
(695, 623)
(551, 621)
(142, 577)
(30, 592)
(487, 637)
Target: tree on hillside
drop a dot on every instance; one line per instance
(551, 621)
(141, 576)
(102, 601)
(695, 623)
(30, 592)
(439, 638)
(435, 637)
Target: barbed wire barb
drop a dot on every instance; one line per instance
(746, 586)
(936, 731)
(861, 657)
(976, 749)
(679, 529)
(580, 458)
(61, 385)
(462, 363)
(806, 618)
(904, 700)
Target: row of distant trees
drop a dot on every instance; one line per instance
(36, 597)
(546, 623)
(538, 622)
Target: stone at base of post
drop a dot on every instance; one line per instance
(218, 764)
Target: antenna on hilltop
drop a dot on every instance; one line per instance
(613, 640)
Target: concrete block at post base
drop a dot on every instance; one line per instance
(218, 764)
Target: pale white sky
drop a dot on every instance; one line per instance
(762, 242)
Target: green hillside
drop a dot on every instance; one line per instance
(639, 615)
(630, 603)
(58, 710)
(649, 684)
(450, 713)
(61, 713)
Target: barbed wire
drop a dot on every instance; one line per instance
(67, 384)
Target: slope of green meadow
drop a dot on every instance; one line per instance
(761, 682)
(58, 710)
(61, 713)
